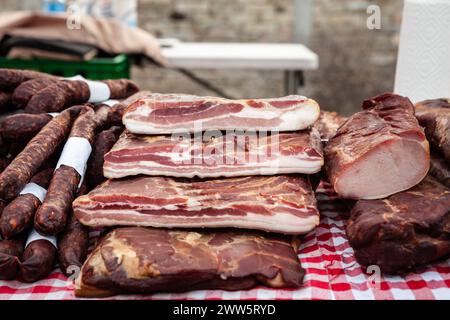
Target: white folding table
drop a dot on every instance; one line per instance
(291, 58)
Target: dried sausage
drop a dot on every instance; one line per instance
(11, 78)
(18, 215)
(23, 126)
(73, 246)
(51, 217)
(37, 151)
(103, 143)
(26, 90)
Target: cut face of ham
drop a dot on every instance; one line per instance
(379, 151)
(142, 260)
(214, 156)
(282, 204)
(408, 229)
(168, 113)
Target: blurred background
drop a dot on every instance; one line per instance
(354, 62)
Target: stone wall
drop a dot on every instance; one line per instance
(355, 62)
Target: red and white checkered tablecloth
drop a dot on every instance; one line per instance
(331, 273)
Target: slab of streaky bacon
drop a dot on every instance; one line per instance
(227, 155)
(280, 204)
(168, 113)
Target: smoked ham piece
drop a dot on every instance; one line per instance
(231, 155)
(406, 230)
(143, 260)
(434, 116)
(168, 113)
(379, 151)
(440, 168)
(282, 204)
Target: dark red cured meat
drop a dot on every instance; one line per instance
(103, 143)
(11, 78)
(22, 126)
(434, 103)
(406, 230)
(69, 92)
(5, 101)
(52, 215)
(18, 215)
(37, 151)
(436, 120)
(166, 113)
(10, 255)
(379, 151)
(440, 168)
(217, 260)
(284, 204)
(290, 152)
(121, 88)
(328, 123)
(73, 245)
(26, 90)
(58, 96)
(38, 261)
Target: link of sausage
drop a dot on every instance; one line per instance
(37, 151)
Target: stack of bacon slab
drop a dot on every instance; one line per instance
(256, 181)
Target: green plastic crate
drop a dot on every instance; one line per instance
(95, 69)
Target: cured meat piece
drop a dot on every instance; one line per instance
(121, 88)
(51, 217)
(215, 156)
(10, 255)
(284, 204)
(379, 151)
(26, 90)
(436, 121)
(38, 259)
(22, 126)
(408, 229)
(167, 113)
(18, 215)
(440, 168)
(434, 103)
(328, 123)
(5, 100)
(103, 143)
(65, 93)
(11, 78)
(37, 151)
(117, 111)
(141, 260)
(73, 246)
(57, 96)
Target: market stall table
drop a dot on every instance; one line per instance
(325, 254)
(292, 58)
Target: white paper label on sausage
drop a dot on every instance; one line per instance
(111, 102)
(34, 235)
(53, 114)
(34, 189)
(75, 154)
(99, 91)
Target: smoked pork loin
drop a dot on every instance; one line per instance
(282, 204)
(168, 113)
(379, 151)
(408, 229)
(143, 260)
